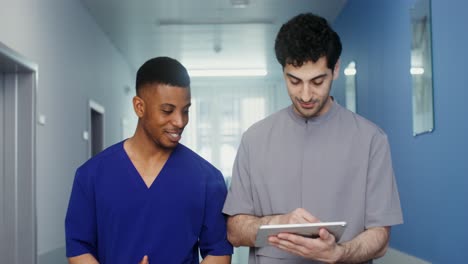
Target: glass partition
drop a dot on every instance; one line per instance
(421, 67)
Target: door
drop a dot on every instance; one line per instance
(96, 115)
(2, 168)
(17, 158)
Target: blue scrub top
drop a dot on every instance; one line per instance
(113, 215)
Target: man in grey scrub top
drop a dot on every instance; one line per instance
(313, 161)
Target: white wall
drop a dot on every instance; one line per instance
(76, 63)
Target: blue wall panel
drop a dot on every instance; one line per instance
(431, 169)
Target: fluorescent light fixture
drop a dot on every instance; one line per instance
(417, 70)
(240, 3)
(349, 71)
(209, 22)
(227, 72)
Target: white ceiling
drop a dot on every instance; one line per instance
(201, 33)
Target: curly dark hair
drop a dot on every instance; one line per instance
(307, 37)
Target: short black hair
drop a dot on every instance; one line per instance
(162, 70)
(307, 37)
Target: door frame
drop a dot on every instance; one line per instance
(18, 193)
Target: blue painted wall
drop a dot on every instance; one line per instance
(431, 169)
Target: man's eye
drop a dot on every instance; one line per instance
(318, 82)
(294, 82)
(166, 111)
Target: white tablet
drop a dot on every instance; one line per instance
(308, 230)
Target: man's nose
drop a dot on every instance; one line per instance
(306, 93)
(178, 121)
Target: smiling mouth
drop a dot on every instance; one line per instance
(308, 105)
(174, 136)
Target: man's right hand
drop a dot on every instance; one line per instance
(298, 216)
(242, 229)
(144, 260)
(83, 259)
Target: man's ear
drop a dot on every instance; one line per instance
(139, 106)
(336, 70)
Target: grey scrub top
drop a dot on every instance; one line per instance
(336, 166)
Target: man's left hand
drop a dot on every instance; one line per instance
(144, 260)
(324, 248)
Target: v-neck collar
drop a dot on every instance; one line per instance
(136, 175)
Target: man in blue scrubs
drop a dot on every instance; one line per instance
(150, 199)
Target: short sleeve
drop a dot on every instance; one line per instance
(213, 237)
(382, 198)
(80, 221)
(239, 199)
